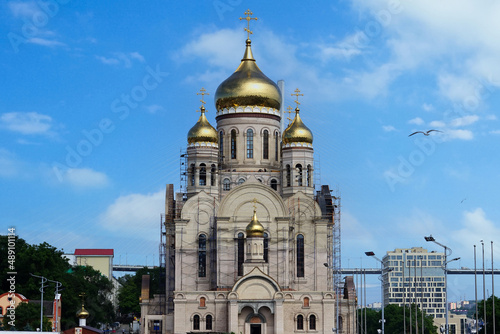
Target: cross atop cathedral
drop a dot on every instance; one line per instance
(297, 91)
(248, 13)
(202, 93)
(289, 110)
(254, 201)
(82, 295)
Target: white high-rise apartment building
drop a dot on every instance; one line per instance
(417, 277)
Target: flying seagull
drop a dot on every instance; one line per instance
(424, 133)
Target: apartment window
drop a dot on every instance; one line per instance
(312, 322)
(298, 168)
(288, 176)
(196, 322)
(221, 145)
(266, 247)
(300, 322)
(208, 323)
(202, 255)
(212, 175)
(233, 144)
(249, 143)
(226, 185)
(241, 253)
(203, 175)
(300, 255)
(265, 149)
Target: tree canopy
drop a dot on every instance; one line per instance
(47, 261)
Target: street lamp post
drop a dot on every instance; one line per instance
(372, 254)
(445, 268)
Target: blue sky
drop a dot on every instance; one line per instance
(97, 99)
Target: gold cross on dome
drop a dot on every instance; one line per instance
(297, 91)
(289, 110)
(202, 90)
(248, 18)
(254, 201)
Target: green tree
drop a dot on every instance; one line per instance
(27, 318)
(47, 261)
(394, 320)
(489, 314)
(130, 291)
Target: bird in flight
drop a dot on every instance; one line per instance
(424, 133)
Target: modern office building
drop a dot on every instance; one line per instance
(417, 277)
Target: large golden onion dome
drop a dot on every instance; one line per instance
(202, 131)
(297, 131)
(255, 228)
(247, 86)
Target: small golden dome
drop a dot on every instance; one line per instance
(247, 86)
(82, 314)
(255, 228)
(202, 131)
(297, 131)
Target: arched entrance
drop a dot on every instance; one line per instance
(255, 323)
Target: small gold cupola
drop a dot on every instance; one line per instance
(297, 131)
(202, 131)
(255, 228)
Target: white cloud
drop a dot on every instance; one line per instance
(8, 164)
(84, 178)
(121, 58)
(154, 108)
(45, 42)
(388, 128)
(349, 47)
(464, 121)
(23, 9)
(28, 123)
(416, 121)
(135, 213)
(495, 132)
(427, 107)
(475, 227)
(459, 134)
(437, 124)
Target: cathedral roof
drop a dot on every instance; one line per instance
(255, 228)
(247, 86)
(202, 131)
(297, 131)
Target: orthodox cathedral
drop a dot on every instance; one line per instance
(247, 243)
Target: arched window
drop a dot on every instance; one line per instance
(288, 176)
(274, 184)
(306, 302)
(203, 302)
(241, 253)
(202, 255)
(212, 175)
(309, 176)
(266, 247)
(203, 175)
(298, 168)
(265, 149)
(192, 172)
(241, 181)
(196, 322)
(226, 185)
(208, 323)
(300, 322)
(312, 322)
(276, 146)
(233, 144)
(300, 255)
(249, 143)
(221, 145)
